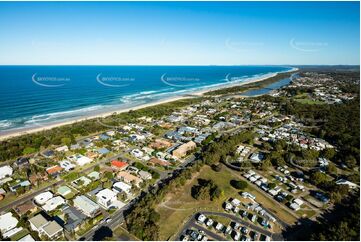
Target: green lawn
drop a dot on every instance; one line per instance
(180, 205)
(122, 234)
(19, 235)
(308, 101)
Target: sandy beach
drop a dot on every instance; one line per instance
(18, 132)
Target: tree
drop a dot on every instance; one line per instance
(241, 185)
(206, 190)
(66, 141)
(331, 168)
(272, 185)
(266, 164)
(217, 167)
(97, 168)
(319, 178)
(328, 153)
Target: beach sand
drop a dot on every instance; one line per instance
(6, 135)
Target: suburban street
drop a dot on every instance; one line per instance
(117, 218)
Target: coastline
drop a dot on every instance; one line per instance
(199, 93)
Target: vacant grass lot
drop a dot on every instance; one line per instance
(308, 101)
(180, 205)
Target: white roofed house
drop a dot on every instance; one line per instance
(63, 148)
(50, 229)
(66, 165)
(53, 203)
(106, 198)
(42, 198)
(80, 159)
(7, 222)
(145, 175)
(122, 187)
(5, 171)
(86, 206)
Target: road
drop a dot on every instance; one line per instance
(118, 218)
(190, 223)
(35, 193)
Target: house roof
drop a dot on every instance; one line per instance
(94, 174)
(129, 177)
(54, 169)
(158, 161)
(43, 197)
(103, 150)
(106, 194)
(85, 204)
(25, 207)
(119, 164)
(7, 222)
(52, 228)
(38, 221)
(75, 218)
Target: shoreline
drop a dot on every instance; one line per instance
(199, 93)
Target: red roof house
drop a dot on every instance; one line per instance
(119, 165)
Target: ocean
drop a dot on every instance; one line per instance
(33, 96)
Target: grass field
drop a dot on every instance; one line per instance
(180, 205)
(308, 101)
(121, 234)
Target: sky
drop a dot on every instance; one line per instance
(179, 33)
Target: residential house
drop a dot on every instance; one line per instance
(26, 207)
(48, 154)
(42, 198)
(94, 175)
(44, 227)
(80, 159)
(54, 170)
(86, 206)
(137, 153)
(129, 178)
(75, 147)
(119, 165)
(155, 161)
(66, 165)
(19, 184)
(159, 144)
(63, 148)
(5, 171)
(145, 175)
(182, 150)
(122, 187)
(103, 151)
(22, 162)
(106, 198)
(53, 203)
(7, 222)
(74, 219)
